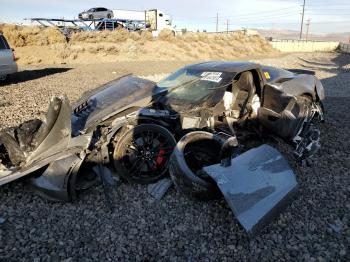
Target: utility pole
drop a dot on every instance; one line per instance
(302, 21)
(227, 23)
(217, 22)
(307, 28)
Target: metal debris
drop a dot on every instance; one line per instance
(159, 189)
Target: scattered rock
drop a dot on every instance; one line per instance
(314, 227)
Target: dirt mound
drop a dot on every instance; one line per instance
(48, 46)
(19, 36)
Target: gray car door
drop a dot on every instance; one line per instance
(100, 13)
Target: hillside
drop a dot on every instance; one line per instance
(35, 45)
(292, 34)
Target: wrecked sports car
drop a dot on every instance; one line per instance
(211, 125)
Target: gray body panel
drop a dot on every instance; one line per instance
(300, 85)
(55, 150)
(256, 186)
(7, 63)
(54, 182)
(295, 83)
(112, 98)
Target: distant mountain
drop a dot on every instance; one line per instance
(292, 34)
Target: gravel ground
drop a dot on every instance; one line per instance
(316, 227)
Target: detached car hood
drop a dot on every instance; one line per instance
(257, 185)
(111, 99)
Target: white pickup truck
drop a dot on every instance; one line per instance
(8, 64)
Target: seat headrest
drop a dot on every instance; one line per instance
(246, 81)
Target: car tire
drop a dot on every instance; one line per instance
(109, 16)
(134, 146)
(185, 170)
(91, 17)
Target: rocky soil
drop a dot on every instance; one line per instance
(316, 227)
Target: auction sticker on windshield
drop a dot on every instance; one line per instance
(211, 76)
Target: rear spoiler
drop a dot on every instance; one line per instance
(301, 71)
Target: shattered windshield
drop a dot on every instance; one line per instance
(193, 85)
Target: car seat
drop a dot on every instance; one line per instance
(243, 92)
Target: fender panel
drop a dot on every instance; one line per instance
(53, 184)
(319, 90)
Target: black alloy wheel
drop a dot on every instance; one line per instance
(142, 153)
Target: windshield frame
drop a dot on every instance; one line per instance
(228, 78)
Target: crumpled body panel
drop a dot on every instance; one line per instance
(112, 98)
(55, 149)
(257, 185)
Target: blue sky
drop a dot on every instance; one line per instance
(326, 16)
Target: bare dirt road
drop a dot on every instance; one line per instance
(316, 227)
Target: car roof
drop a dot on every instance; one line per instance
(224, 66)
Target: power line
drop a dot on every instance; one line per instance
(260, 13)
(333, 14)
(286, 16)
(302, 21)
(272, 19)
(247, 15)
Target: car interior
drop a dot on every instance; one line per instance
(239, 95)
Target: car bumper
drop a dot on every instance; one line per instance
(8, 69)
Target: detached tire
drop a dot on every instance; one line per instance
(194, 151)
(142, 153)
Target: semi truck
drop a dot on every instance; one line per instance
(153, 19)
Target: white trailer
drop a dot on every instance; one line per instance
(153, 19)
(129, 15)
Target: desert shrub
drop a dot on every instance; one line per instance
(202, 37)
(114, 36)
(30, 60)
(19, 36)
(146, 35)
(166, 35)
(13, 35)
(135, 36)
(54, 36)
(190, 37)
(112, 49)
(80, 36)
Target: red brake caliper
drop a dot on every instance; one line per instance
(160, 158)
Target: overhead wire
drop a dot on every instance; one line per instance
(283, 15)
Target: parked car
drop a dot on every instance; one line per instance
(96, 13)
(8, 63)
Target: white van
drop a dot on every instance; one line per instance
(8, 64)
